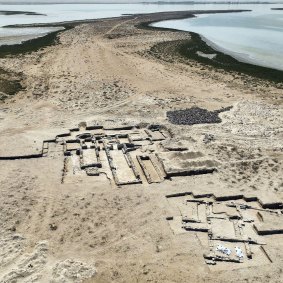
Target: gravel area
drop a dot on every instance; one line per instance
(195, 115)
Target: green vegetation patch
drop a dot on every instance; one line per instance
(32, 45)
(10, 84)
(198, 50)
(191, 49)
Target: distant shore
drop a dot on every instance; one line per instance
(12, 13)
(138, 2)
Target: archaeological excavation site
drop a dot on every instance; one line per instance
(126, 158)
(232, 230)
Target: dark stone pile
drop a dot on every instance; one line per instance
(195, 115)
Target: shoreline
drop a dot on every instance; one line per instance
(241, 57)
(177, 15)
(14, 39)
(47, 40)
(226, 62)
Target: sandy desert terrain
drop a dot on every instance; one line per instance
(97, 184)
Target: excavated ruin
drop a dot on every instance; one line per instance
(91, 150)
(230, 228)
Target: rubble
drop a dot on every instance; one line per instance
(195, 115)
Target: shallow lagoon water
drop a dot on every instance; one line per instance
(72, 12)
(255, 36)
(19, 35)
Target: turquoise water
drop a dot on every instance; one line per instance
(255, 37)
